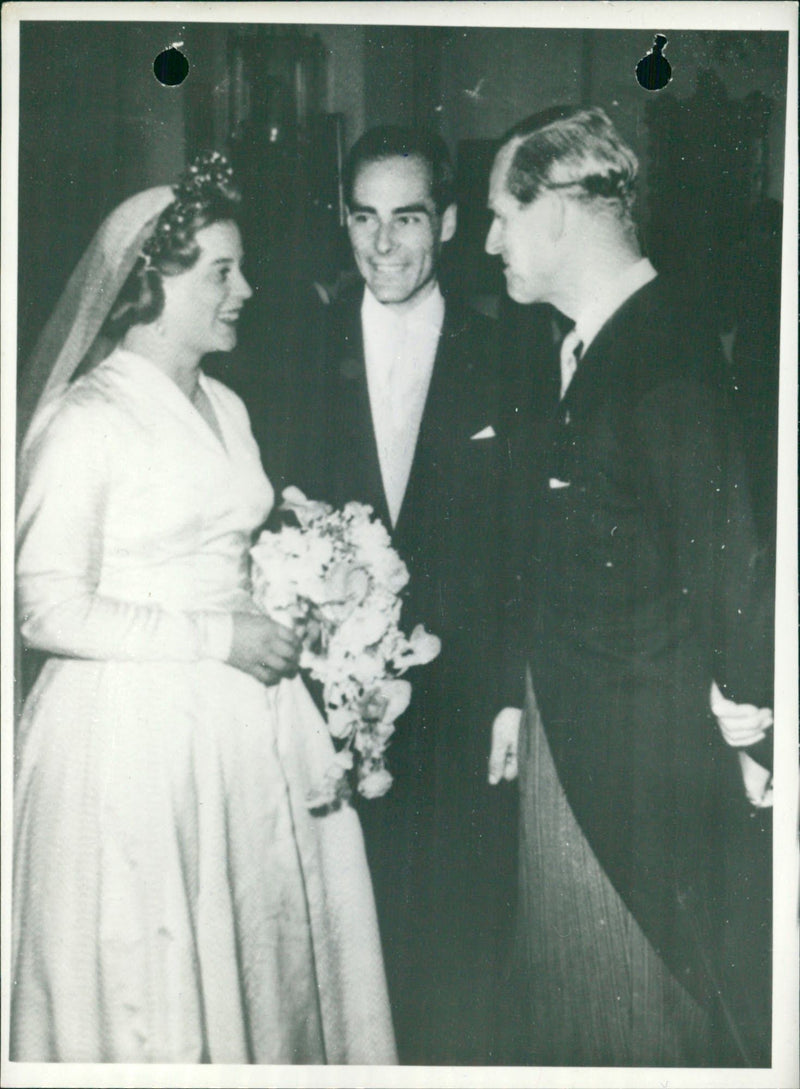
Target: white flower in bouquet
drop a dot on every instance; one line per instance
(422, 646)
(337, 574)
(374, 784)
(385, 703)
(372, 541)
(363, 627)
(293, 559)
(305, 510)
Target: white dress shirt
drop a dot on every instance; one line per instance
(399, 352)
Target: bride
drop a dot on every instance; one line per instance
(174, 898)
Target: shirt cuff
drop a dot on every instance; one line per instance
(214, 635)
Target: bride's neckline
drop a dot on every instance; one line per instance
(139, 357)
(199, 403)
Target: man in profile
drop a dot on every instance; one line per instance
(649, 688)
(401, 408)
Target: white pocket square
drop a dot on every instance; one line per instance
(556, 483)
(487, 433)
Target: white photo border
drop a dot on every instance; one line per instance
(644, 15)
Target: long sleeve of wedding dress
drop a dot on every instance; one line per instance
(62, 544)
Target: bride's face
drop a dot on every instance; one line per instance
(202, 305)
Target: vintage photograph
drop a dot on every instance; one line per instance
(390, 579)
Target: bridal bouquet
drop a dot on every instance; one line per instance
(336, 575)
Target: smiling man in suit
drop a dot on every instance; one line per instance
(649, 691)
(401, 409)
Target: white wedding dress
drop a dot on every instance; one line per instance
(174, 899)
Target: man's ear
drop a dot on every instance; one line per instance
(449, 222)
(557, 219)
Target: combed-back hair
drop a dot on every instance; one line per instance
(389, 141)
(204, 195)
(571, 149)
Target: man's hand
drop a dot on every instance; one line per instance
(505, 737)
(741, 724)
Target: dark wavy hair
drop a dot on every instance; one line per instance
(204, 195)
(571, 149)
(389, 141)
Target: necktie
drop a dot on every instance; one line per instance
(571, 348)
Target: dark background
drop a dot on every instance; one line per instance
(286, 101)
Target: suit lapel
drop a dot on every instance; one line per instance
(355, 453)
(607, 352)
(359, 473)
(432, 429)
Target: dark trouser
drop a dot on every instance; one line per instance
(442, 869)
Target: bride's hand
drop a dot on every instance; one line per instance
(262, 647)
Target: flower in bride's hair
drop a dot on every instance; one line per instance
(205, 193)
(210, 170)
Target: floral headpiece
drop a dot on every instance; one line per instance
(208, 178)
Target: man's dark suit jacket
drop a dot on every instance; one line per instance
(647, 586)
(440, 844)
